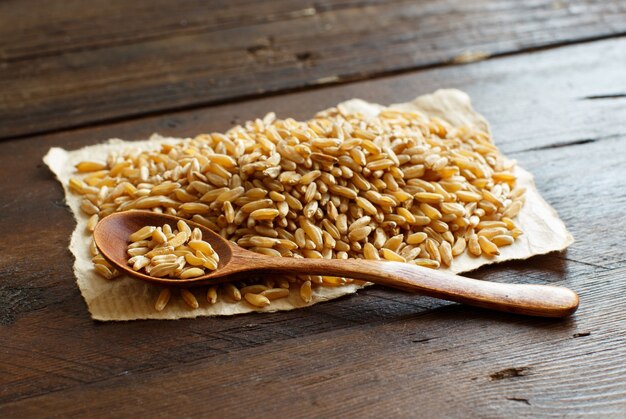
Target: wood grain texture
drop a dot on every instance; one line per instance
(379, 353)
(63, 64)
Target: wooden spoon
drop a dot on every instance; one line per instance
(112, 234)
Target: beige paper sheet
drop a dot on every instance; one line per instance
(125, 298)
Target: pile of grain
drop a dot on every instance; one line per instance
(399, 187)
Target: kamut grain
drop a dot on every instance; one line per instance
(392, 256)
(104, 271)
(254, 289)
(488, 246)
(459, 246)
(473, 245)
(232, 292)
(211, 295)
(257, 300)
(306, 292)
(338, 186)
(502, 240)
(162, 299)
(416, 238)
(445, 251)
(189, 298)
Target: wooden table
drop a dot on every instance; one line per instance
(553, 84)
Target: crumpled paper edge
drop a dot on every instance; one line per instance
(125, 298)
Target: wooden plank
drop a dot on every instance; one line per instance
(379, 353)
(450, 362)
(64, 65)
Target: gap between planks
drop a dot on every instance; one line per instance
(330, 81)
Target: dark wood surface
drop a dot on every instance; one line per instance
(65, 64)
(381, 353)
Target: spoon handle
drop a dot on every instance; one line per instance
(528, 299)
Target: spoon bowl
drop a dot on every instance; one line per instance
(112, 237)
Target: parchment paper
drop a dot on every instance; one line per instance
(125, 298)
